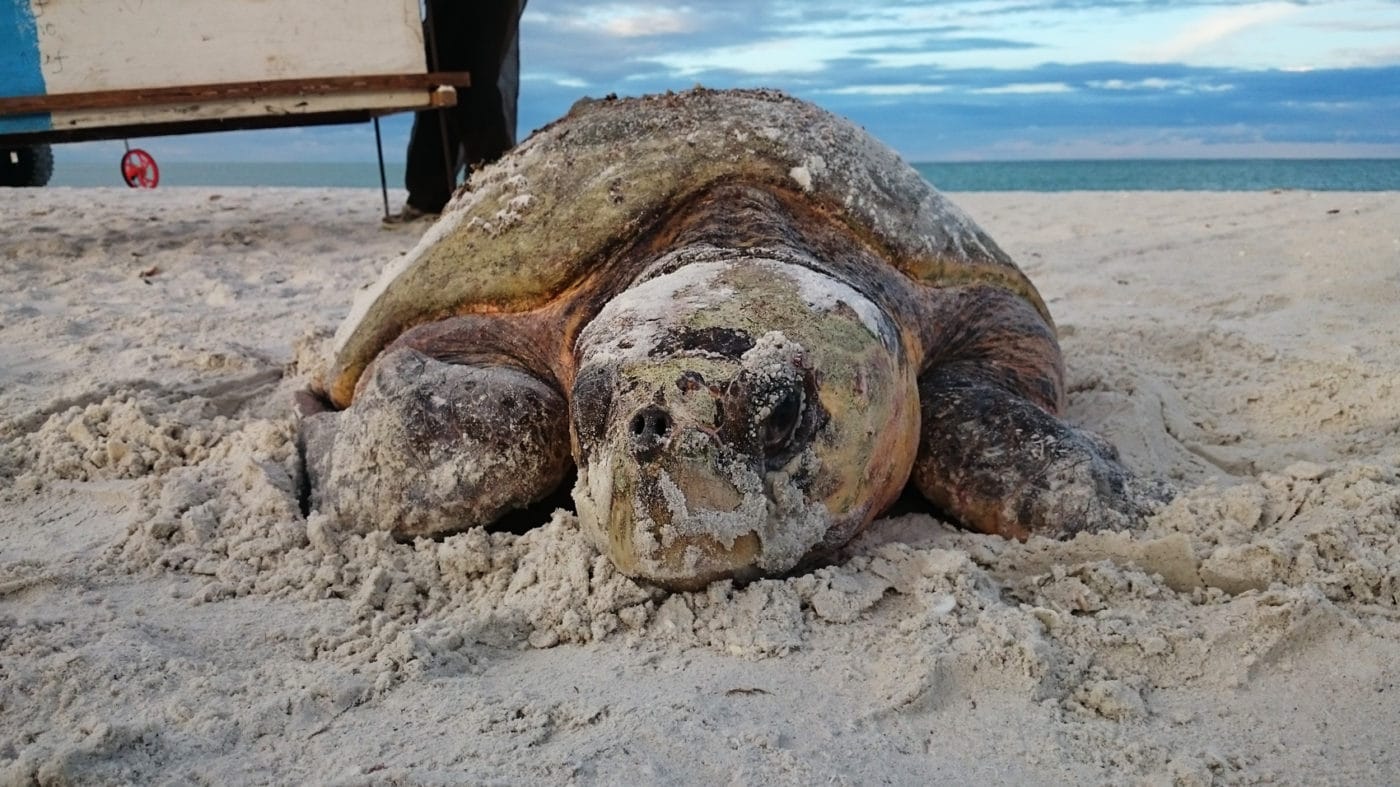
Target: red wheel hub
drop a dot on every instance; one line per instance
(139, 169)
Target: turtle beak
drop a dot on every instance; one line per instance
(673, 517)
(642, 549)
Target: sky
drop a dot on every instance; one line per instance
(967, 80)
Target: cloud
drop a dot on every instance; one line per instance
(771, 56)
(1217, 27)
(630, 21)
(1022, 88)
(601, 42)
(1112, 104)
(942, 43)
(1369, 56)
(906, 89)
(1158, 83)
(933, 78)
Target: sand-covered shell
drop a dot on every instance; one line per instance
(535, 224)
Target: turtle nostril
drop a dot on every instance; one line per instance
(650, 425)
(782, 421)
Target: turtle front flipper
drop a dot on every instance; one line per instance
(430, 447)
(1001, 464)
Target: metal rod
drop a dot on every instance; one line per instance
(383, 180)
(449, 156)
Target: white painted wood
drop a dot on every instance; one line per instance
(90, 45)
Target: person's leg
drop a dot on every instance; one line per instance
(484, 41)
(488, 114)
(425, 172)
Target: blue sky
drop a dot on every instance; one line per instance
(994, 79)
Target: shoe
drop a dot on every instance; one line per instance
(408, 214)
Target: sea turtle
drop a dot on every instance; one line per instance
(745, 322)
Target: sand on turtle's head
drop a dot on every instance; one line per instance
(733, 416)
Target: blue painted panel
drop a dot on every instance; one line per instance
(21, 72)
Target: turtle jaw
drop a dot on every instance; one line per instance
(662, 534)
(693, 510)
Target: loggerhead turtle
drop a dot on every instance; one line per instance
(745, 322)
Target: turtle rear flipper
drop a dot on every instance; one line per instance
(430, 448)
(1000, 464)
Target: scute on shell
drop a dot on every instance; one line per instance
(568, 199)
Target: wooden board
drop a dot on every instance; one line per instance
(59, 47)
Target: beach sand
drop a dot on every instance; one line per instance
(168, 616)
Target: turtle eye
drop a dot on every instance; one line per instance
(782, 422)
(592, 404)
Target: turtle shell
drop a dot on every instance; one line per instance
(534, 224)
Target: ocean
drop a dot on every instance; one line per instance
(1089, 175)
(1167, 175)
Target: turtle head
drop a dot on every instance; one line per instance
(731, 418)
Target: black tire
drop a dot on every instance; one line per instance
(27, 166)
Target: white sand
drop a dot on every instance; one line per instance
(166, 615)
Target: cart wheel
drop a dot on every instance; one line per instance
(26, 166)
(139, 169)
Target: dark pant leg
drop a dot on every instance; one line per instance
(487, 115)
(482, 38)
(426, 174)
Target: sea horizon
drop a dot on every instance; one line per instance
(1147, 174)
